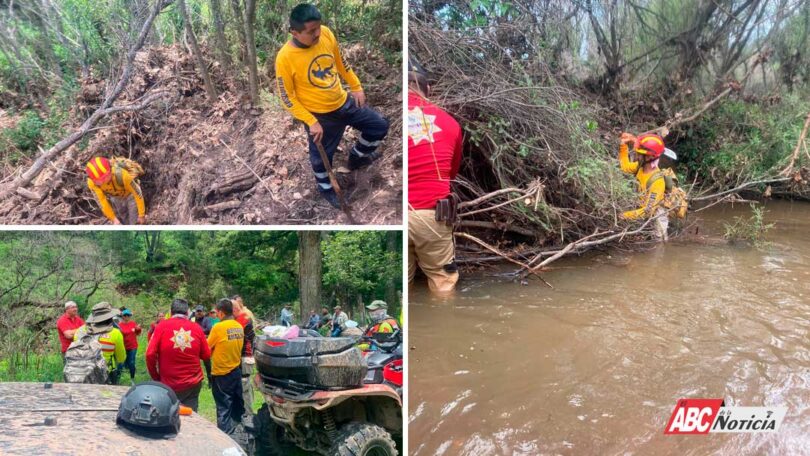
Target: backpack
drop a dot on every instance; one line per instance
(131, 166)
(84, 361)
(674, 196)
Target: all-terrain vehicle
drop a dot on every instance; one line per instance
(315, 399)
(74, 418)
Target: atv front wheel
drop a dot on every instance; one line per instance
(270, 436)
(364, 439)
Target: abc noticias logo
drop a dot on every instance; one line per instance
(703, 416)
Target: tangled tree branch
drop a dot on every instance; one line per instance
(105, 109)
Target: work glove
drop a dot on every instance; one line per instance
(627, 138)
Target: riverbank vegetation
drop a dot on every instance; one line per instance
(544, 89)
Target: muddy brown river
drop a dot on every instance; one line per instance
(595, 365)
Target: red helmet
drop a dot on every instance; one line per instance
(97, 168)
(649, 144)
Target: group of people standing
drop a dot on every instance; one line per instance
(178, 349)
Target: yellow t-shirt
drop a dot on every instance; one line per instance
(226, 340)
(307, 81)
(650, 200)
(130, 187)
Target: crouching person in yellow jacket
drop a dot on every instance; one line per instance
(649, 148)
(118, 182)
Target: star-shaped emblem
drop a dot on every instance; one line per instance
(421, 126)
(182, 339)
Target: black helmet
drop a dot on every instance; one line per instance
(151, 405)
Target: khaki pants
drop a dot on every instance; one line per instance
(661, 224)
(125, 209)
(431, 247)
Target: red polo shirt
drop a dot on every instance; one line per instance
(434, 152)
(175, 351)
(65, 323)
(131, 331)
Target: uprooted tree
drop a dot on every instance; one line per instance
(543, 90)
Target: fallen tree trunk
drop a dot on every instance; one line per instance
(798, 147)
(679, 119)
(105, 109)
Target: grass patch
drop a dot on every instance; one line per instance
(48, 368)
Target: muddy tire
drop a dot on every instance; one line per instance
(270, 436)
(364, 439)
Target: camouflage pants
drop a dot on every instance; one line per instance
(248, 365)
(125, 209)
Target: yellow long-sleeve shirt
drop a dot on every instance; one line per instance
(650, 198)
(112, 188)
(307, 81)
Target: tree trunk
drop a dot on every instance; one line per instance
(309, 271)
(392, 245)
(250, 44)
(240, 29)
(45, 45)
(152, 242)
(221, 42)
(195, 49)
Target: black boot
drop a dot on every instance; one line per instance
(356, 162)
(331, 197)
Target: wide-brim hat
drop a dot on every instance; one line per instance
(102, 312)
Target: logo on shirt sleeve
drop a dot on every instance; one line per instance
(322, 72)
(421, 126)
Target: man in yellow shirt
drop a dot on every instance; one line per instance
(118, 184)
(100, 324)
(649, 148)
(226, 340)
(309, 69)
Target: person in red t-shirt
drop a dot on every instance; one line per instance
(174, 354)
(131, 330)
(434, 158)
(67, 325)
(158, 318)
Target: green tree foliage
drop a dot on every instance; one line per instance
(39, 271)
(357, 266)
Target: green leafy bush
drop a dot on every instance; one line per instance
(751, 230)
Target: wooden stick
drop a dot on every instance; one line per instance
(261, 181)
(334, 182)
(740, 187)
(502, 255)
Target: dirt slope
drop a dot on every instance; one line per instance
(222, 163)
